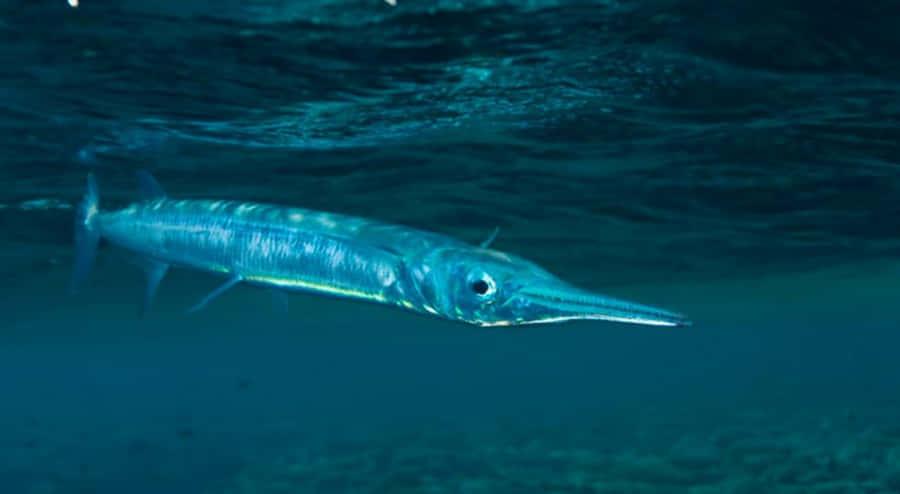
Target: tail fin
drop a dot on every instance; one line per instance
(86, 237)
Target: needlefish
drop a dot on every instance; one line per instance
(292, 249)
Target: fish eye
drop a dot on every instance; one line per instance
(482, 285)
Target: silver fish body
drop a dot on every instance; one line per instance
(290, 248)
(282, 247)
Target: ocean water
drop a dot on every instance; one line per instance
(736, 161)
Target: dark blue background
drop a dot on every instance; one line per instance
(734, 161)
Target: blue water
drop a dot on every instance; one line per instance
(734, 161)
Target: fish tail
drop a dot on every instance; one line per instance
(86, 235)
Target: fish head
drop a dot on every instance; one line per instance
(486, 287)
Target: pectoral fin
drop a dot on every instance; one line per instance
(234, 280)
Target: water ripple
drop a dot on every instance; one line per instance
(642, 131)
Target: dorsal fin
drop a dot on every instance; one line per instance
(149, 187)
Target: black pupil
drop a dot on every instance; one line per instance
(480, 287)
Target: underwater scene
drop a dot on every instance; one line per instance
(450, 246)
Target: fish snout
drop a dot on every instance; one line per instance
(561, 302)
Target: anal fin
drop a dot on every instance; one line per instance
(155, 271)
(234, 280)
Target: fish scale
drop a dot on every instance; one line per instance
(259, 243)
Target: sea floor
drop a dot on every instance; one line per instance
(738, 453)
(746, 453)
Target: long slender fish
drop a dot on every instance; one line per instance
(293, 249)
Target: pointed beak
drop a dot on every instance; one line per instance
(558, 301)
